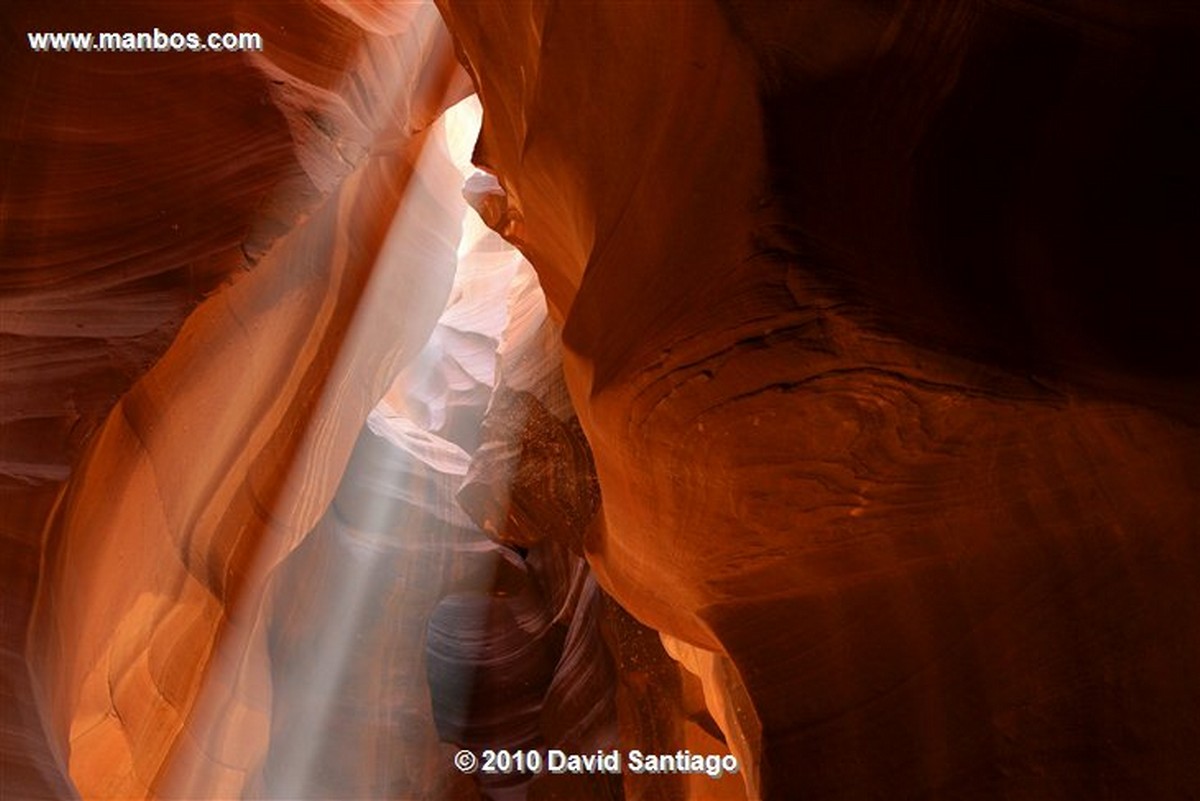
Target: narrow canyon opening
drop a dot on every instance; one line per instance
(803, 387)
(245, 597)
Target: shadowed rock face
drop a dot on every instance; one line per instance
(879, 465)
(879, 320)
(124, 202)
(135, 187)
(533, 478)
(250, 536)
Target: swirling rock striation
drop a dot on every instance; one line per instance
(879, 320)
(215, 463)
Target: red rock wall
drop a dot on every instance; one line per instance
(89, 301)
(879, 320)
(876, 317)
(271, 184)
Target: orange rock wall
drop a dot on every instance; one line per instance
(210, 468)
(872, 414)
(877, 318)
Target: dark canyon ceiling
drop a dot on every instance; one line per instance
(809, 383)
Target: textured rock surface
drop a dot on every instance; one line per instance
(88, 303)
(533, 477)
(257, 402)
(879, 320)
(240, 577)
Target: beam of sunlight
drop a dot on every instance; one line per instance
(233, 683)
(403, 547)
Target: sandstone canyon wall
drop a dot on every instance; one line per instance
(839, 410)
(879, 318)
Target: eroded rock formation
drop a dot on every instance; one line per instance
(214, 464)
(877, 317)
(855, 432)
